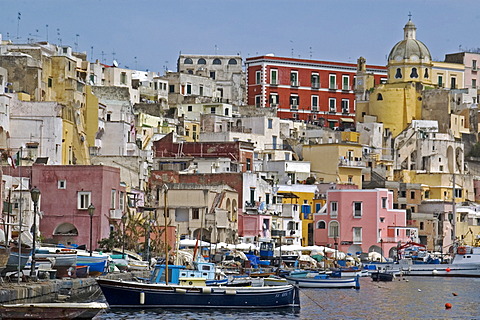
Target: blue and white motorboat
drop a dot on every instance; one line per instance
(324, 281)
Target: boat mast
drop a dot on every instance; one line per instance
(20, 216)
(165, 213)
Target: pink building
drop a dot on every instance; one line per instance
(66, 193)
(362, 221)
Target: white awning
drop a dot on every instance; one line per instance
(347, 120)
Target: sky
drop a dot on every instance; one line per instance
(150, 34)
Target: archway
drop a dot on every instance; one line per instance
(202, 234)
(354, 248)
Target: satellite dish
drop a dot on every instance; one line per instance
(115, 63)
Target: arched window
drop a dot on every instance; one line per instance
(333, 229)
(426, 73)
(321, 224)
(217, 61)
(232, 61)
(188, 61)
(379, 96)
(202, 61)
(414, 73)
(398, 75)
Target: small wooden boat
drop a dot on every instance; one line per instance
(14, 258)
(324, 281)
(4, 255)
(51, 311)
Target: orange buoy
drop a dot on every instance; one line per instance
(454, 294)
(448, 269)
(448, 305)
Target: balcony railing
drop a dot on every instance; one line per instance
(351, 163)
(315, 109)
(115, 213)
(333, 87)
(294, 106)
(294, 83)
(315, 85)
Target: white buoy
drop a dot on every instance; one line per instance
(434, 271)
(419, 290)
(142, 297)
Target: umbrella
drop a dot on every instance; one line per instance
(245, 246)
(193, 243)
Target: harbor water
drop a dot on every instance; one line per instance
(408, 298)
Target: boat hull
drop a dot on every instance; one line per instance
(139, 295)
(324, 283)
(51, 310)
(444, 270)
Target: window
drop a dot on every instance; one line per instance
(200, 89)
(357, 209)
(273, 76)
(226, 111)
(195, 213)
(212, 74)
(453, 83)
(426, 74)
(273, 100)
(422, 226)
(440, 81)
(345, 83)
(62, 184)
(333, 209)
(270, 123)
(427, 194)
(188, 61)
(474, 83)
(398, 74)
(83, 200)
(249, 164)
(189, 88)
(315, 78)
(294, 78)
(112, 198)
(412, 194)
(379, 96)
(171, 88)
(123, 78)
(357, 234)
(294, 101)
(321, 224)
(384, 202)
(332, 84)
(232, 61)
(202, 61)
(189, 108)
(414, 73)
(258, 77)
(213, 110)
(333, 229)
(121, 201)
(217, 61)
(258, 101)
(474, 64)
(50, 82)
(332, 104)
(345, 106)
(315, 102)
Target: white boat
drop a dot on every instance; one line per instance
(324, 281)
(466, 263)
(274, 281)
(52, 310)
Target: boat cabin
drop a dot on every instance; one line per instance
(176, 273)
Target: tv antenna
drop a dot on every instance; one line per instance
(19, 17)
(76, 42)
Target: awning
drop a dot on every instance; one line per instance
(347, 120)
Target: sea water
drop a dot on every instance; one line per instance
(407, 298)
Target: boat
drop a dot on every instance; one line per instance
(324, 281)
(382, 276)
(177, 273)
(274, 281)
(64, 260)
(129, 294)
(14, 258)
(466, 263)
(4, 255)
(52, 310)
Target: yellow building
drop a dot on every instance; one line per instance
(335, 162)
(304, 200)
(399, 101)
(448, 75)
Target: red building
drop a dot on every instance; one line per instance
(239, 152)
(318, 92)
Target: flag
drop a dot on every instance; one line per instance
(11, 162)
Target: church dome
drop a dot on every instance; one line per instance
(410, 48)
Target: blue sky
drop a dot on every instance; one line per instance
(156, 31)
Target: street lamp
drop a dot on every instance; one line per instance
(35, 194)
(91, 211)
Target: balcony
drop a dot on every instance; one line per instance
(294, 106)
(346, 88)
(295, 83)
(315, 109)
(315, 85)
(276, 146)
(351, 163)
(115, 214)
(274, 82)
(333, 87)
